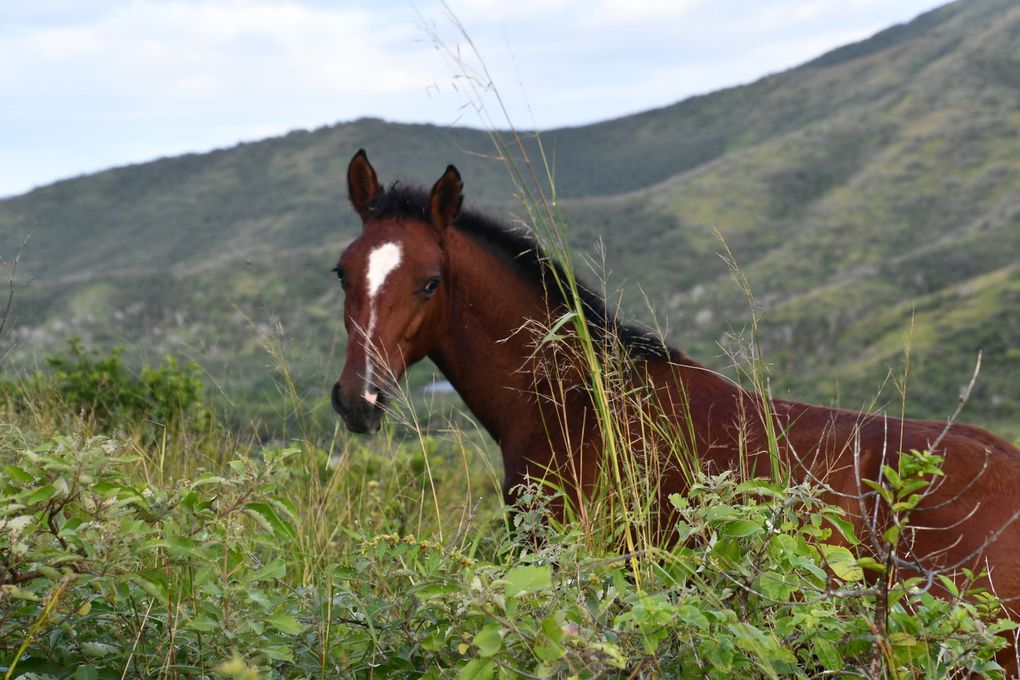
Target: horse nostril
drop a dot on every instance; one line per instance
(335, 399)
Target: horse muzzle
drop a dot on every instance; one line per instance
(359, 414)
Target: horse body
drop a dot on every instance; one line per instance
(478, 324)
(968, 518)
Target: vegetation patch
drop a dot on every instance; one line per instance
(128, 555)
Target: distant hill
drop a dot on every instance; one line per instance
(871, 190)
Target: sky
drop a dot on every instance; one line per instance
(93, 84)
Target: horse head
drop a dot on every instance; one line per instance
(394, 280)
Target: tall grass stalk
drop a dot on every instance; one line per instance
(756, 369)
(634, 439)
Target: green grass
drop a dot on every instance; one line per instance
(132, 549)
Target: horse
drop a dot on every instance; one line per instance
(428, 278)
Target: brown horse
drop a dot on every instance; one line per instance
(425, 278)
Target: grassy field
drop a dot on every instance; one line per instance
(142, 537)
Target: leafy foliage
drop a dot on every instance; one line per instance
(102, 573)
(103, 390)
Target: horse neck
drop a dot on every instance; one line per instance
(486, 345)
(486, 349)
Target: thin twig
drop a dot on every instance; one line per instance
(10, 284)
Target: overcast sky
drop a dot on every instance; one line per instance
(91, 84)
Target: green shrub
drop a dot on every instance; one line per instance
(103, 389)
(754, 591)
(103, 574)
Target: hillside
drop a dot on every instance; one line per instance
(875, 184)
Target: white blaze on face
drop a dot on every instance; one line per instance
(381, 261)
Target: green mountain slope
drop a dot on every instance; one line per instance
(870, 191)
(908, 206)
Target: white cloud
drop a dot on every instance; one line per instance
(62, 44)
(133, 80)
(615, 14)
(501, 11)
(181, 54)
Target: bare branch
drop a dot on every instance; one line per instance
(10, 286)
(964, 396)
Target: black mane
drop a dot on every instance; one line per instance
(522, 251)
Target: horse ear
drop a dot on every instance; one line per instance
(446, 198)
(362, 183)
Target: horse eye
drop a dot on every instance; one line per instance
(339, 274)
(431, 285)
